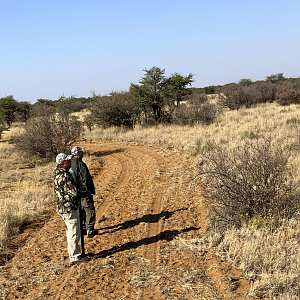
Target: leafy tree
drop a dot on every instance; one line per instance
(150, 93)
(245, 82)
(45, 102)
(66, 104)
(71, 104)
(274, 78)
(3, 124)
(155, 91)
(210, 89)
(8, 106)
(23, 110)
(176, 87)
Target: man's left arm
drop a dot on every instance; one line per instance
(87, 180)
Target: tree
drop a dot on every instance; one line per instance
(155, 92)
(274, 78)
(176, 87)
(23, 110)
(3, 124)
(210, 89)
(9, 106)
(245, 82)
(150, 93)
(45, 102)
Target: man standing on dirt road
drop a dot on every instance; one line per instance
(83, 176)
(68, 201)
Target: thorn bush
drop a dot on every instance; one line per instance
(47, 135)
(251, 180)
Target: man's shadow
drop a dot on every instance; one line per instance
(166, 235)
(150, 218)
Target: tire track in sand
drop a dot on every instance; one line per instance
(124, 176)
(155, 228)
(152, 250)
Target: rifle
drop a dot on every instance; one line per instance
(81, 230)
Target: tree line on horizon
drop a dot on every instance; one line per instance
(157, 99)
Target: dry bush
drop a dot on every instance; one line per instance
(197, 109)
(39, 110)
(289, 93)
(234, 96)
(250, 181)
(47, 135)
(6, 150)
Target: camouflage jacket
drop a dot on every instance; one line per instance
(65, 190)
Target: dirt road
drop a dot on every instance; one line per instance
(149, 215)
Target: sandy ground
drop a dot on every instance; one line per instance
(149, 214)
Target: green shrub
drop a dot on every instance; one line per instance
(248, 135)
(114, 110)
(293, 121)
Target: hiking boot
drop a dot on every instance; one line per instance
(79, 261)
(91, 233)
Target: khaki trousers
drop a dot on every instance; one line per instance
(73, 234)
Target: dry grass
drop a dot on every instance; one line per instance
(25, 191)
(270, 259)
(13, 131)
(230, 128)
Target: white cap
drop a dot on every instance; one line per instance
(76, 149)
(62, 157)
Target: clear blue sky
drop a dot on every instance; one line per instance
(50, 48)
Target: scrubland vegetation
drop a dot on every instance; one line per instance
(260, 148)
(246, 137)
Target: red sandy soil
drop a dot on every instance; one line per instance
(148, 211)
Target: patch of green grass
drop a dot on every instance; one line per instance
(293, 120)
(248, 135)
